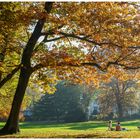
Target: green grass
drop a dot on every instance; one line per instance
(91, 129)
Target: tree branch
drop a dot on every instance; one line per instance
(9, 76)
(127, 55)
(122, 65)
(54, 39)
(134, 47)
(92, 64)
(84, 38)
(39, 66)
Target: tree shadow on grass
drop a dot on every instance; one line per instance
(87, 126)
(136, 123)
(30, 125)
(75, 126)
(72, 126)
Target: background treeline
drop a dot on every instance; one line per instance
(73, 102)
(68, 104)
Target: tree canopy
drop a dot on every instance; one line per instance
(84, 42)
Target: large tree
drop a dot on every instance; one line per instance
(99, 35)
(25, 72)
(118, 97)
(66, 104)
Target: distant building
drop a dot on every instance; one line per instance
(94, 110)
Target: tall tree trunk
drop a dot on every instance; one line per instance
(120, 110)
(11, 125)
(119, 105)
(118, 98)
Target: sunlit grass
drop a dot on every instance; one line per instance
(91, 129)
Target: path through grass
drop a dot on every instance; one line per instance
(91, 129)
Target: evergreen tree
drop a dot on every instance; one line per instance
(64, 105)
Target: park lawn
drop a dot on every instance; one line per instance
(91, 129)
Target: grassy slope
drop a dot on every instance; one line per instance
(96, 129)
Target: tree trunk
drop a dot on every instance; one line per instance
(12, 122)
(25, 73)
(120, 110)
(119, 105)
(118, 99)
